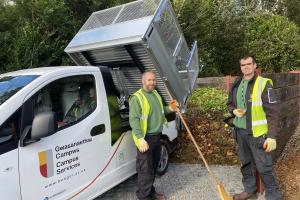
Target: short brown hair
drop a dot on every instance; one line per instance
(248, 55)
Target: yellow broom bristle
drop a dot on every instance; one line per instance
(223, 193)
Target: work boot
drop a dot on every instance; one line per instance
(243, 196)
(157, 196)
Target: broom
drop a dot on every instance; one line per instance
(220, 188)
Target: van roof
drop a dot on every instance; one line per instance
(47, 70)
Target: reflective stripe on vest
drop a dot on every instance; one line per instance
(258, 115)
(144, 103)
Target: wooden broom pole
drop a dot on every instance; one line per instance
(223, 193)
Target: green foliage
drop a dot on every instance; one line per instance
(268, 5)
(209, 101)
(293, 10)
(7, 17)
(226, 29)
(274, 40)
(40, 32)
(35, 33)
(41, 35)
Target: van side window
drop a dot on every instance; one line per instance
(9, 133)
(72, 99)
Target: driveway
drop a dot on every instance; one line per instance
(183, 181)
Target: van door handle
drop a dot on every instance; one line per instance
(97, 130)
(8, 169)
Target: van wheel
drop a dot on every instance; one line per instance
(164, 158)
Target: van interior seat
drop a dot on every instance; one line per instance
(43, 102)
(69, 95)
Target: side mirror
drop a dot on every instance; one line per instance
(43, 125)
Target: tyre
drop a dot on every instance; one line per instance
(164, 158)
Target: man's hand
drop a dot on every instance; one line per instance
(239, 112)
(173, 105)
(142, 145)
(270, 145)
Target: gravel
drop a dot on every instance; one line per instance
(287, 168)
(184, 181)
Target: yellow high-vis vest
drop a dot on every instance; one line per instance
(145, 112)
(258, 115)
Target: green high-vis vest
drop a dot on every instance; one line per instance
(145, 112)
(258, 115)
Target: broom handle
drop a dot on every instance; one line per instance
(212, 176)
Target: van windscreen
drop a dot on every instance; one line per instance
(10, 85)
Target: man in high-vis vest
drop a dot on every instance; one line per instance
(253, 103)
(84, 103)
(146, 117)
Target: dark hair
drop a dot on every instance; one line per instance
(248, 55)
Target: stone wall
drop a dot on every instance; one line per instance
(287, 90)
(297, 72)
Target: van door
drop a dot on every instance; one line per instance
(9, 174)
(60, 165)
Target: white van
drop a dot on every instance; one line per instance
(64, 131)
(45, 154)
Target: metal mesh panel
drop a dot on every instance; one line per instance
(108, 16)
(137, 10)
(167, 27)
(181, 62)
(182, 57)
(176, 46)
(122, 13)
(91, 23)
(101, 18)
(193, 65)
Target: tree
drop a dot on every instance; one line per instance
(34, 33)
(274, 40)
(41, 32)
(7, 24)
(293, 10)
(266, 5)
(225, 30)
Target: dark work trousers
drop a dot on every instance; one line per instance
(146, 164)
(253, 157)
